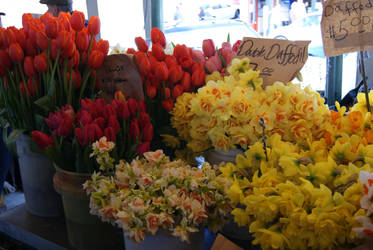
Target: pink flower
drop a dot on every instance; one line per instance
(208, 47)
(214, 64)
(198, 56)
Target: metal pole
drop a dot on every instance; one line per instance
(157, 13)
(92, 9)
(333, 88)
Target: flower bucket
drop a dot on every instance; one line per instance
(232, 230)
(85, 231)
(164, 240)
(37, 179)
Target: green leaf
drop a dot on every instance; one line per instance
(229, 38)
(222, 59)
(10, 141)
(44, 102)
(173, 45)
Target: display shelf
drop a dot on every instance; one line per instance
(34, 231)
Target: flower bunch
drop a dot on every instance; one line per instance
(48, 63)
(226, 113)
(216, 59)
(296, 198)
(153, 192)
(68, 142)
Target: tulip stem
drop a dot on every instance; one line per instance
(86, 76)
(69, 96)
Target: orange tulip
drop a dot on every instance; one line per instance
(16, 52)
(95, 60)
(157, 36)
(28, 66)
(141, 44)
(94, 26)
(77, 20)
(103, 45)
(158, 52)
(40, 63)
(82, 40)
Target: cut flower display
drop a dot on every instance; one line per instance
(153, 192)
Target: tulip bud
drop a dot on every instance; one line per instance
(113, 122)
(144, 119)
(198, 78)
(28, 66)
(103, 45)
(177, 91)
(236, 45)
(95, 60)
(42, 140)
(62, 39)
(186, 62)
(109, 133)
(143, 63)
(69, 50)
(16, 52)
(158, 52)
(4, 60)
(175, 74)
(122, 110)
(131, 51)
(30, 48)
(21, 37)
(142, 105)
(79, 133)
(82, 41)
(109, 110)
(143, 147)
(141, 44)
(84, 118)
(186, 81)
(171, 61)
(40, 63)
(180, 51)
(119, 95)
(151, 91)
(77, 20)
(134, 130)
(74, 60)
(208, 47)
(8, 37)
(147, 133)
(100, 121)
(94, 26)
(51, 28)
(167, 105)
(157, 36)
(166, 93)
(132, 106)
(198, 56)
(65, 127)
(161, 71)
(42, 41)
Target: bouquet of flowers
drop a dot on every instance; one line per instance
(68, 141)
(46, 64)
(154, 193)
(226, 113)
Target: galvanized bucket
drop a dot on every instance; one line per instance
(37, 179)
(85, 231)
(164, 240)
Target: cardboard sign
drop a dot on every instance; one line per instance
(119, 72)
(347, 26)
(277, 60)
(222, 243)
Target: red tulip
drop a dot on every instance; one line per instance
(113, 122)
(236, 45)
(69, 50)
(8, 37)
(142, 105)
(94, 26)
(84, 118)
(144, 119)
(110, 134)
(198, 78)
(76, 78)
(119, 95)
(151, 91)
(181, 51)
(16, 52)
(62, 39)
(103, 45)
(166, 93)
(175, 74)
(143, 63)
(42, 140)
(109, 110)
(197, 66)
(208, 47)
(54, 50)
(77, 20)
(82, 40)
(141, 44)
(40, 63)
(79, 133)
(157, 36)
(147, 133)
(158, 52)
(95, 60)
(131, 51)
(23, 89)
(167, 105)
(186, 81)
(161, 71)
(21, 37)
(186, 62)
(134, 130)
(64, 21)
(28, 66)
(65, 127)
(170, 61)
(132, 106)
(74, 60)
(198, 56)
(4, 60)
(30, 48)
(143, 147)
(226, 45)
(100, 121)
(51, 28)
(92, 132)
(42, 41)
(177, 91)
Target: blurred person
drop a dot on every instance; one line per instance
(56, 6)
(297, 11)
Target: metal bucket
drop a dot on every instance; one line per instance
(85, 231)
(164, 240)
(37, 179)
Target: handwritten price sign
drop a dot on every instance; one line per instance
(347, 26)
(277, 60)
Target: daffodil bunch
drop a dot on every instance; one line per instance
(293, 197)
(153, 193)
(226, 113)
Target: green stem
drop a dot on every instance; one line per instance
(86, 76)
